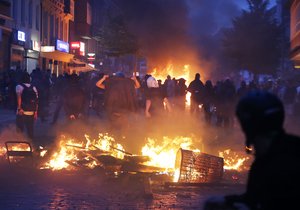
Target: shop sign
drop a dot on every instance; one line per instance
(82, 49)
(75, 45)
(91, 56)
(35, 45)
(78, 48)
(18, 37)
(47, 49)
(21, 36)
(62, 46)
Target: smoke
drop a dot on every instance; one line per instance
(162, 30)
(207, 19)
(180, 31)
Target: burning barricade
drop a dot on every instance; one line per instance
(175, 158)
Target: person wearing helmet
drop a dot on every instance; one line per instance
(273, 179)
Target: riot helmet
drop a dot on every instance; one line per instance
(259, 112)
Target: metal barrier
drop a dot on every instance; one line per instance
(198, 167)
(18, 149)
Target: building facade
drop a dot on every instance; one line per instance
(5, 34)
(25, 40)
(295, 32)
(55, 21)
(82, 43)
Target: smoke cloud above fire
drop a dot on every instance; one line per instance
(183, 32)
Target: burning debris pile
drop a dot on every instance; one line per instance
(175, 157)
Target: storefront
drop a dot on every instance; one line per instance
(56, 58)
(32, 56)
(17, 51)
(5, 34)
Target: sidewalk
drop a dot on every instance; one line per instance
(7, 116)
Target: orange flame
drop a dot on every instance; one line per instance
(69, 151)
(234, 160)
(184, 73)
(163, 154)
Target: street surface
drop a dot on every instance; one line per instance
(23, 188)
(87, 190)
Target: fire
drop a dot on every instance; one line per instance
(2, 151)
(233, 160)
(184, 73)
(18, 147)
(164, 155)
(70, 151)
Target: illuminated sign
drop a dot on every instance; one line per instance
(47, 49)
(91, 56)
(75, 45)
(35, 45)
(91, 65)
(21, 36)
(82, 49)
(62, 46)
(78, 48)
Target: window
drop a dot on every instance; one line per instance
(45, 26)
(61, 30)
(30, 14)
(88, 14)
(15, 10)
(56, 27)
(37, 17)
(23, 13)
(52, 32)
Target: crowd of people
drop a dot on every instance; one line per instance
(115, 96)
(260, 109)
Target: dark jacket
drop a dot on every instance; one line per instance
(274, 180)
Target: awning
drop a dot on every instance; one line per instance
(80, 66)
(57, 55)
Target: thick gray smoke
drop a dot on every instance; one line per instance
(207, 19)
(183, 31)
(161, 27)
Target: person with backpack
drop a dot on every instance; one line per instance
(27, 105)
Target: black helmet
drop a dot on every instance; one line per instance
(258, 113)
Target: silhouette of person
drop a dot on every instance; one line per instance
(273, 179)
(196, 88)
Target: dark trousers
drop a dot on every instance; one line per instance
(25, 121)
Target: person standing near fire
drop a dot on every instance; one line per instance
(273, 179)
(120, 98)
(196, 88)
(27, 105)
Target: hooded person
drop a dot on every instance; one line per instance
(273, 179)
(74, 99)
(119, 97)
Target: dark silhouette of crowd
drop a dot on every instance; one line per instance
(77, 95)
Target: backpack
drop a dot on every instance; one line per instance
(29, 99)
